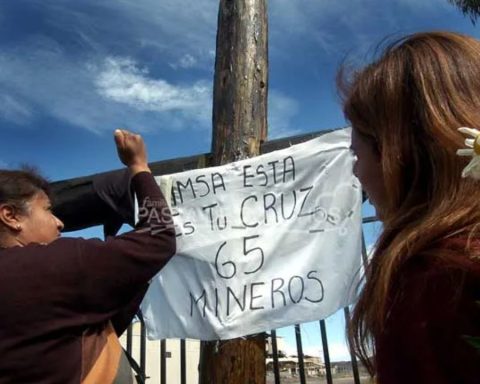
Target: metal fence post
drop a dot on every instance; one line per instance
(276, 368)
(301, 364)
(326, 353)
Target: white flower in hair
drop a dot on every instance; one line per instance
(472, 142)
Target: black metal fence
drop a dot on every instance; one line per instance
(328, 376)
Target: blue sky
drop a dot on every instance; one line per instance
(73, 71)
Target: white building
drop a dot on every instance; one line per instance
(153, 362)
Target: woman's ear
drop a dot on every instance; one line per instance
(10, 217)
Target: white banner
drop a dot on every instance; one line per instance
(261, 243)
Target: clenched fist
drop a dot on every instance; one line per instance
(131, 150)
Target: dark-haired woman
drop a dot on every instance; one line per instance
(64, 301)
(418, 313)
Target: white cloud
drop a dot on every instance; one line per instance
(88, 31)
(50, 76)
(185, 62)
(122, 81)
(111, 92)
(177, 30)
(174, 27)
(106, 93)
(14, 110)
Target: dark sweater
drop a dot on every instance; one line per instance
(61, 303)
(434, 308)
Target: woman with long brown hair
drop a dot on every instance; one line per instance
(418, 309)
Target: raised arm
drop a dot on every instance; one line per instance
(113, 274)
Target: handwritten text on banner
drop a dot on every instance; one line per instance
(261, 243)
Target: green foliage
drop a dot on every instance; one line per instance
(469, 8)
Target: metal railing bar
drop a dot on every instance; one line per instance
(326, 353)
(301, 363)
(183, 362)
(129, 339)
(369, 219)
(276, 367)
(163, 361)
(143, 347)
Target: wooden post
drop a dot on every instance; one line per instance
(241, 81)
(239, 128)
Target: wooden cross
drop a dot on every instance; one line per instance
(239, 131)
